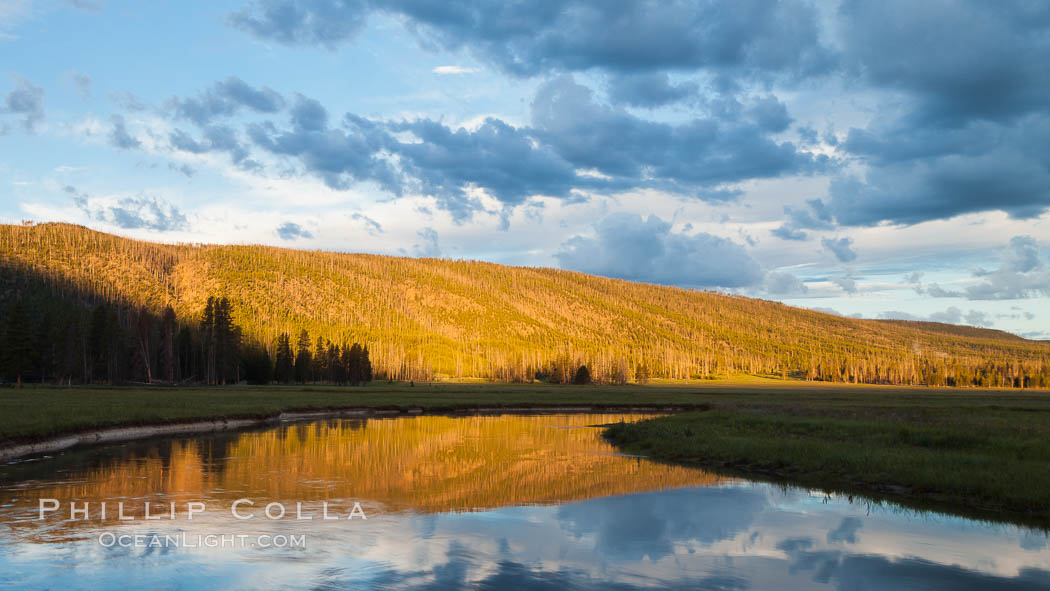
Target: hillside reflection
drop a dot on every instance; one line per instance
(422, 464)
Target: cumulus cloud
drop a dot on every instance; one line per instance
(971, 132)
(627, 246)
(1023, 274)
(784, 284)
(371, 226)
(428, 245)
(842, 248)
(704, 152)
(651, 89)
(132, 213)
(25, 101)
(225, 98)
(951, 315)
(294, 22)
(292, 231)
(119, 136)
(845, 283)
(214, 138)
(525, 38)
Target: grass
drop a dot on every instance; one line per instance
(983, 452)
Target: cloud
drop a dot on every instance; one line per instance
(82, 82)
(292, 231)
(27, 101)
(845, 283)
(119, 136)
(371, 226)
(952, 315)
(525, 38)
(132, 213)
(225, 98)
(339, 157)
(1022, 274)
(815, 216)
(701, 153)
(627, 246)
(840, 247)
(311, 22)
(429, 247)
(214, 138)
(504, 160)
(967, 132)
(784, 284)
(649, 90)
(453, 70)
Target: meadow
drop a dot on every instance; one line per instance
(979, 451)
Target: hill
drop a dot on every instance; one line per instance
(427, 318)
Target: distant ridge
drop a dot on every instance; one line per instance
(436, 318)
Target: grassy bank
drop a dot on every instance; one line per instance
(985, 453)
(38, 412)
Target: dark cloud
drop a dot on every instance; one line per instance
(302, 22)
(503, 160)
(26, 101)
(292, 231)
(526, 38)
(650, 90)
(119, 136)
(970, 129)
(214, 138)
(815, 216)
(842, 248)
(224, 99)
(637, 152)
(133, 213)
(629, 247)
(338, 156)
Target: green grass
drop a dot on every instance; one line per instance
(983, 453)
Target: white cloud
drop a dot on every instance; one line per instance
(453, 70)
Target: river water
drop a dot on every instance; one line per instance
(476, 502)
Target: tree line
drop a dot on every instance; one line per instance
(115, 344)
(445, 319)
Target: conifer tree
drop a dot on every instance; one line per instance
(303, 358)
(18, 347)
(284, 366)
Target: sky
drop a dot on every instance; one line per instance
(879, 159)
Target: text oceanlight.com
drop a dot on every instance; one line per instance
(187, 540)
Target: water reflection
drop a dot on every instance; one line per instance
(482, 502)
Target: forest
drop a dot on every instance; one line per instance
(82, 306)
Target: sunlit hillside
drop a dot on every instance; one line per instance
(436, 318)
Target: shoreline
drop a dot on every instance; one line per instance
(118, 434)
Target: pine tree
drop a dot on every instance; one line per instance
(284, 366)
(18, 347)
(582, 376)
(303, 359)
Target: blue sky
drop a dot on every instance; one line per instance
(873, 158)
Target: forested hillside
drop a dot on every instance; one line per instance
(431, 318)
